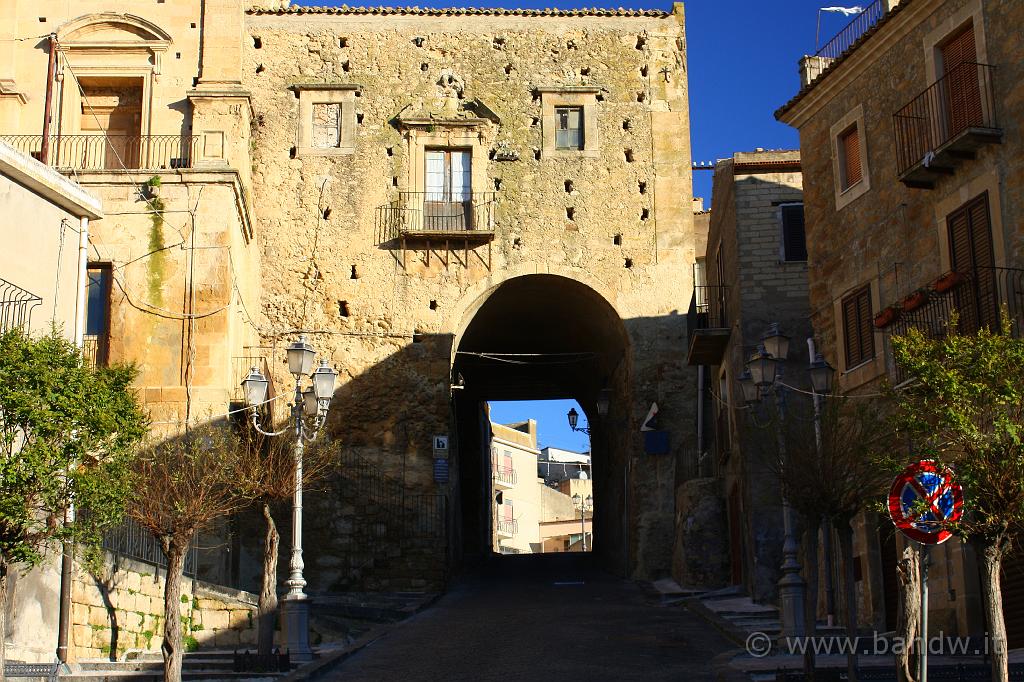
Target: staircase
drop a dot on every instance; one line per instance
(212, 665)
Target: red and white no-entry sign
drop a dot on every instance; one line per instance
(925, 498)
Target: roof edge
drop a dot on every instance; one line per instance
(459, 11)
(48, 183)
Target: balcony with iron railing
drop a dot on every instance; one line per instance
(708, 325)
(440, 215)
(949, 122)
(858, 26)
(978, 297)
(507, 527)
(98, 152)
(95, 350)
(504, 477)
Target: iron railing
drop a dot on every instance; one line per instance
(16, 305)
(710, 307)
(505, 475)
(508, 526)
(132, 541)
(111, 152)
(95, 350)
(857, 27)
(979, 299)
(961, 100)
(438, 212)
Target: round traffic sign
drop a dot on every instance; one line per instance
(924, 500)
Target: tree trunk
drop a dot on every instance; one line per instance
(845, 532)
(991, 564)
(3, 617)
(811, 604)
(175, 549)
(267, 614)
(908, 570)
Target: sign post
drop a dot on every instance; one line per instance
(925, 498)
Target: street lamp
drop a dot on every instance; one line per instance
(603, 402)
(583, 505)
(308, 413)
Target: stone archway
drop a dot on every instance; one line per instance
(542, 336)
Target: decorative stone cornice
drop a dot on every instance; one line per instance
(461, 11)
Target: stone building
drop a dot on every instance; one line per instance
(910, 141)
(515, 488)
(754, 274)
(398, 183)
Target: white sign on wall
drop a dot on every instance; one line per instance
(441, 446)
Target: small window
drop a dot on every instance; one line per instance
(327, 125)
(569, 127)
(849, 158)
(857, 329)
(97, 314)
(794, 242)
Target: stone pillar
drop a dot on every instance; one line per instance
(222, 43)
(811, 67)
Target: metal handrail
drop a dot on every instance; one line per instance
(709, 307)
(508, 526)
(505, 475)
(857, 27)
(16, 306)
(112, 152)
(961, 100)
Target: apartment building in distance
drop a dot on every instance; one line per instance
(515, 488)
(911, 145)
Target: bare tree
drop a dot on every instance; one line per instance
(184, 485)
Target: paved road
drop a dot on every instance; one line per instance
(541, 618)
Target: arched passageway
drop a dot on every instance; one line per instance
(540, 337)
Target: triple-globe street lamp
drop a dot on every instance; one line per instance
(308, 413)
(763, 373)
(583, 505)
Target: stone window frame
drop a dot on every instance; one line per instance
(854, 117)
(310, 94)
(970, 13)
(989, 182)
(463, 135)
(851, 377)
(569, 96)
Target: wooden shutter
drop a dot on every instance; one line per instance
(850, 144)
(962, 88)
(857, 328)
(794, 241)
(971, 251)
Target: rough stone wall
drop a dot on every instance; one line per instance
(892, 235)
(123, 610)
(398, 60)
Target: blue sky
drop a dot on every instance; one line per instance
(552, 423)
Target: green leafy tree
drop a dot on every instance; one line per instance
(68, 434)
(964, 408)
(189, 482)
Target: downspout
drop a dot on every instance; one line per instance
(64, 618)
(51, 68)
(700, 416)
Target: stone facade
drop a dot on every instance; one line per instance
(893, 237)
(752, 282)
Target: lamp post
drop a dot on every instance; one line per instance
(603, 402)
(309, 408)
(583, 505)
(763, 372)
(822, 374)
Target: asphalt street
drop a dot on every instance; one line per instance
(542, 617)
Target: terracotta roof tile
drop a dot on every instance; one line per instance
(460, 11)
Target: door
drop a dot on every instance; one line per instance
(962, 87)
(447, 202)
(971, 252)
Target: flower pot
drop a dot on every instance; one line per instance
(947, 282)
(886, 317)
(914, 300)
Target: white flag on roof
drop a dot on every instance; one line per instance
(847, 11)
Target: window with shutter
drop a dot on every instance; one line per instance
(794, 243)
(971, 251)
(963, 89)
(858, 333)
(849, 164)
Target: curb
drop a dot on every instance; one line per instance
(733, 633)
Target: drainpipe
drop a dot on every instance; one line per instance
(700, 417)
(64, 617)
(51, 67)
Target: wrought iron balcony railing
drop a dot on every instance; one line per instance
(505, 475)
(96, 350)
(951, 119)
(439, 213)
(111, 152)
(857, 27)
(708, 324)
(508, 526)
(979, 297)
(16, 305)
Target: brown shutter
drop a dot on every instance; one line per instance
(867, 334)
(794, 240)
(858, 333)
(851, 157)
(962, 87)
(959, 49)
(850, 335)
(971, 251)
